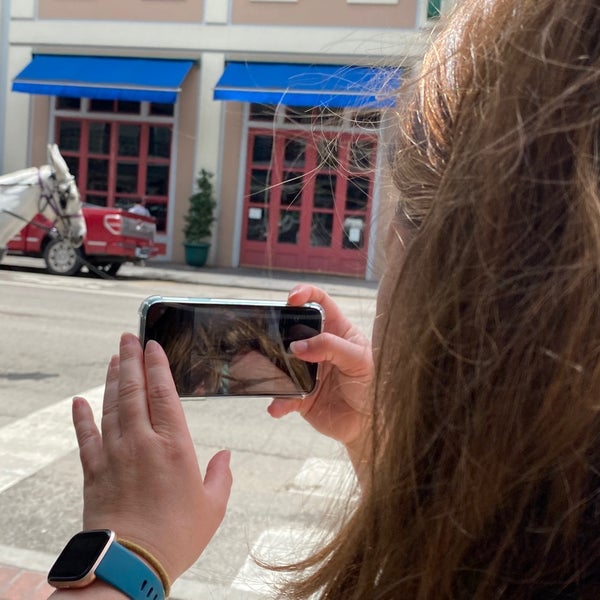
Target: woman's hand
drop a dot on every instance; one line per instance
(341, 407)
(141, 474)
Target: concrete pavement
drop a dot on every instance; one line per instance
(23, 573)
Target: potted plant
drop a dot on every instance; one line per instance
(199, 220)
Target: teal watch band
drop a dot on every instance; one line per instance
(96, 553)
(128, 573)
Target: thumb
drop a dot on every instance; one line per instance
(89, 439)
(218, 479)
(350, 358)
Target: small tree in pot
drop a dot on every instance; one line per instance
(199, 220)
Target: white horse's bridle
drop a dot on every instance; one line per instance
(56, 197)
(62, 191)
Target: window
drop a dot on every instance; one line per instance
(434, 8)
(317, 118)
(120, 152)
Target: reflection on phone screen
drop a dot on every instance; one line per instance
(234, 350)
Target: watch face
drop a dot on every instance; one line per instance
(80, 556)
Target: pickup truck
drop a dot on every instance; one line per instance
(114, 236)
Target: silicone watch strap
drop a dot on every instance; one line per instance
(128, 573)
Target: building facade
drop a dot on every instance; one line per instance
(287, 102)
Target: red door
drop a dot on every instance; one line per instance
(308, 198)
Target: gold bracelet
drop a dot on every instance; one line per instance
(152, 560)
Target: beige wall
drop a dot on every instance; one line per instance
(386, 211)
(319, 13)
(325, 13)
(230, 172)
(186, 144)
(40, 118)
(120, 10)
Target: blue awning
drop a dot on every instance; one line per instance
(103, 77)
(308, 85)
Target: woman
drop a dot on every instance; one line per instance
(477, 444)
(485, 480)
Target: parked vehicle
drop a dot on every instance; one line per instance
(114, 236)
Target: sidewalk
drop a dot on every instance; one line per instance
(20, 584)
(243, 277)
(23, 574)
(239, 277)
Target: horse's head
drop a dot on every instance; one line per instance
(63, 197)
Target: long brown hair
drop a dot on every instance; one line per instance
(485, 482)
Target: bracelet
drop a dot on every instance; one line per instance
(151, 560)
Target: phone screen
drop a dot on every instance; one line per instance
(233, 348)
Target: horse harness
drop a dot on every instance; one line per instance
(47, 198)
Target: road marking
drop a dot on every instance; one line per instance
(60, 281)
(71, 288)
(319, 478)
(34, 442)
(325, 478)
(275, 546)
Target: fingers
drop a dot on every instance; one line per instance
(88, 436)
(335, 321)
(350, 358)
(139, 391)
(110, 406)
(166, 412)
(280, 407)
(218, 479)
(132, 404)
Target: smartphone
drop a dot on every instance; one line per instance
(233, 347)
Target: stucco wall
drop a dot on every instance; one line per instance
(329, 13)
(40, 117)
(186, 147)
(230, 192)
(122, 10)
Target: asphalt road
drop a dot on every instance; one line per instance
(57, 336)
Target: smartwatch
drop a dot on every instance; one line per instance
(96, 553)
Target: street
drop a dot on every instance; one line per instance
(58, 335)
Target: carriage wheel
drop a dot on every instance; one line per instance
(61, 258)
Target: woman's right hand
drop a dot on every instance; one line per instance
(340, 408)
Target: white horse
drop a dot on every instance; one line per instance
(49, 190)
